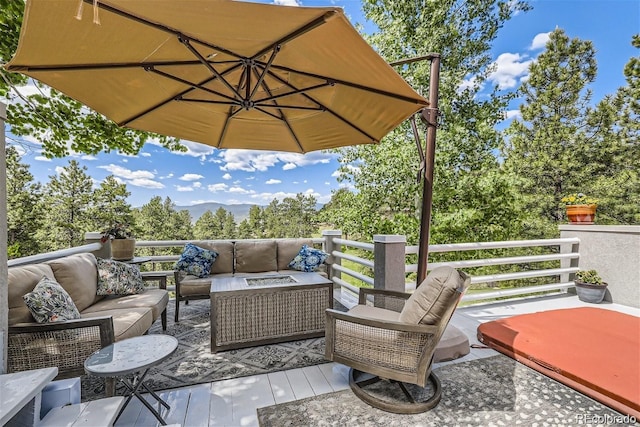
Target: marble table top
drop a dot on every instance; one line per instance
(17, 389)
(130, 355)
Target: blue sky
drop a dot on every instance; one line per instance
(240, 176)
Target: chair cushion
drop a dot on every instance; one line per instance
(49, 302)
(288, 249)
(375, 313)
(196, 261)
(155, 299)
(21, 281)
(308, 259)
(224, 261)
(255, 256)
(128, 322)
(432, 300)
(78, 275)
(118, 278)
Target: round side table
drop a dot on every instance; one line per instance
(129, 360)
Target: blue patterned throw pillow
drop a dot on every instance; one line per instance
(49, 302)
(118, 278)
(308, 259)
(195, 260)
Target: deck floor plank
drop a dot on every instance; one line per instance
(280, 387)
(299, 383)
(197, 412)
(318, 382)
(337, 375)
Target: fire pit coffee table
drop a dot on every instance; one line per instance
(266, 309)
(133, 357)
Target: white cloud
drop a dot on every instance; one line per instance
(41, 159)
(182, 188)
(145, 183)
(509, 68)
(273, 181)
(289, 166)
(214, 188)
(88, 157)
(510, 114)
(139, 178)
(539, 41)
(197, 185)
(226, 176)
(287, 2)
(253, 160)
(240, 190)
(280, 195)
(145, 154)
(190, 177)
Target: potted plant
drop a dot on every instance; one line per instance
(122, 243)
(590, 286)
(581, 209)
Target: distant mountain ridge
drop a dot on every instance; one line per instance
(240, 211)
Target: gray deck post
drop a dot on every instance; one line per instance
(329, 246)
(4, 280)
(389, 261)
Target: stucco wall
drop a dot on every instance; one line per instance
(613, 250)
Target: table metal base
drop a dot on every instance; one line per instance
(132, 386)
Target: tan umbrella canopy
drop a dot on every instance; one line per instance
(224, 73)
(227, 74)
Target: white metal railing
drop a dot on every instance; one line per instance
(567, 257)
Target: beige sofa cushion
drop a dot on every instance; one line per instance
(224, 260)
(288, 249)
(435, 296)
(254, 256)
(155, 299)
(375, 313)
(78, 275)
(21, 281)
(127, 322)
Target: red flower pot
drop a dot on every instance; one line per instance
(581, 214)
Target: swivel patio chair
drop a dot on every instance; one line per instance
(393, 336)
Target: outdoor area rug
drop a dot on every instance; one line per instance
(495, 391)
(193, 362)
(593, 350)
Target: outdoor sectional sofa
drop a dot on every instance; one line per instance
(66, 344)
(241, 258)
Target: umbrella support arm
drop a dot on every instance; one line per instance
(430, 117)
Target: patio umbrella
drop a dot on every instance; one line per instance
(224, 73)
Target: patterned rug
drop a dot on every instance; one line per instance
(193, 362)
(496, 391)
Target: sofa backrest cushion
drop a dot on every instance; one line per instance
(224, 260)
(78, 275)
(23, 280)
(436, 297)
(256, 256)
(288, 249)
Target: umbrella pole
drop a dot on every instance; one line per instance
(430, 117)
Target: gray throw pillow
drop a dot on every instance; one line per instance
(118, 278)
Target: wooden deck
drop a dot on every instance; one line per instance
(234, 402)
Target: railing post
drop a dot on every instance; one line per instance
(389, 261)
(4, 279)
(329, 246)
(567, 248)
(95, 237)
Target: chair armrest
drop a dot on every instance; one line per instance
(64, 344)
(384, 298)
(389, 349)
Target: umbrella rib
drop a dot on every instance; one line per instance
(297, 33)
(188, 83)
(160, 27)
(324, 107)
(282, 116)
(173, 98)
(350, 84)
(204, 62)
(262, 75)
(295, 92)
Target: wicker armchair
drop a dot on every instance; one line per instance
(64, 344)
(393, 335)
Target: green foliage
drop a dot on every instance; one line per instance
(109, 205)
(292, 217)
(206, 227)
(24, 207)
(60, 123)
(589, 276)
